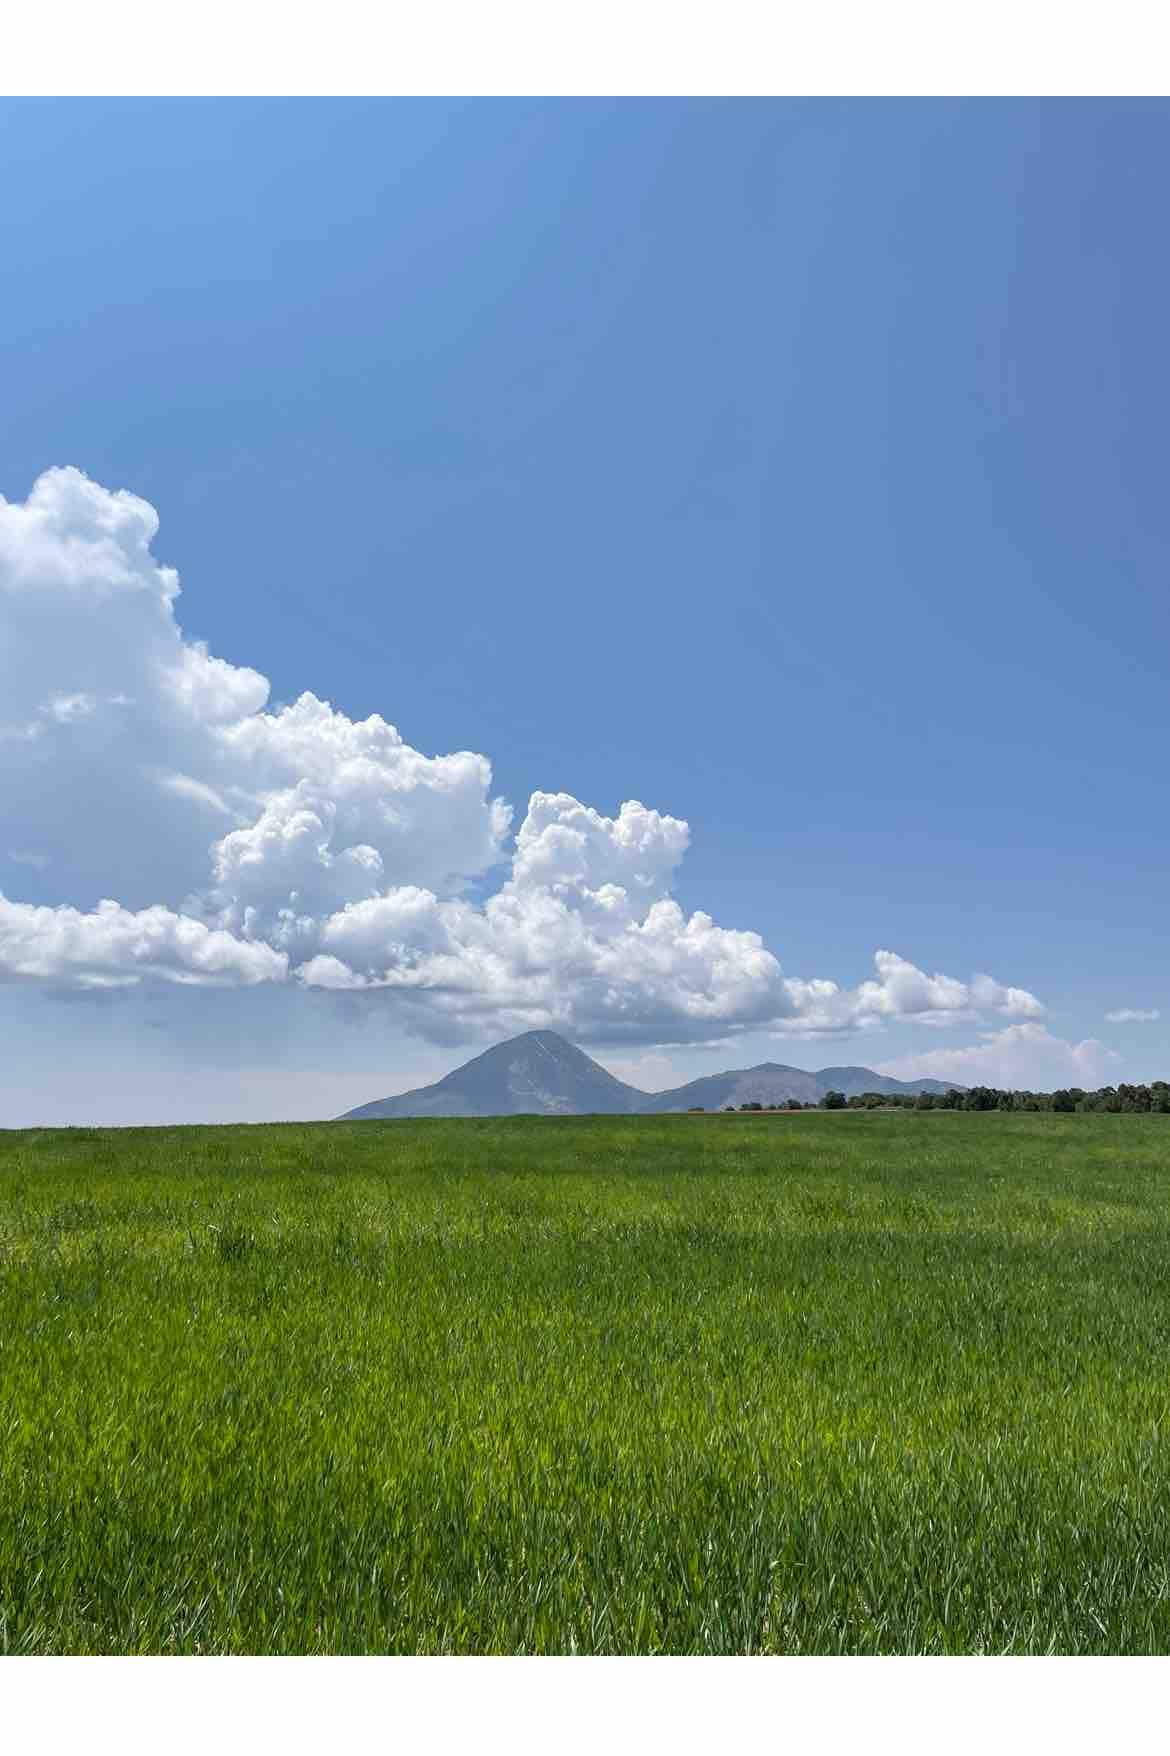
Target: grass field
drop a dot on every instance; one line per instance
(853, 1383)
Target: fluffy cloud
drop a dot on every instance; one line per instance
(1023, 1057)
(126, 749)
(619, 961)
(252, 844)
(901, 991)
(562, 943)
(110, 947)
(569, 848)
(1133, 1015)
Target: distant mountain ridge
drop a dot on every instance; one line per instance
(773, 1083)
(540, 1073)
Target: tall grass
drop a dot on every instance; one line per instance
(863, 1383)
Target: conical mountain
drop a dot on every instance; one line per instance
(537, 1073)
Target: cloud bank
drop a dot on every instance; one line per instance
(182, 830)
(1133, 1015)
(110, 948)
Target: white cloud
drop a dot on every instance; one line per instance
(347, 811)
(118, 724)
(619, 961)
(246, 843)
(109, 946)
(1020, 1057)
(1133, 1015)
(570, 848)
(900, 991)
(604, 963)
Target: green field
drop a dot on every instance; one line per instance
(796, 1384)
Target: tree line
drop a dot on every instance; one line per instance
(1113, 1099)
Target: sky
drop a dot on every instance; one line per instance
(691, 574)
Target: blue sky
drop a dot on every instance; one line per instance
(793, 468)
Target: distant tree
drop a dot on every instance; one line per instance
(695, 1110)
(1130, 1099)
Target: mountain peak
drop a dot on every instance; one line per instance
(536, 1073)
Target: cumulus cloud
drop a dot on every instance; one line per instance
(619, 960)
(901, 991)
(111, 947)
(1133, 1015)
(126, 748)
(249, 843)
(1023, 1057)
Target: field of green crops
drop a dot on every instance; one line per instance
(856, 1383)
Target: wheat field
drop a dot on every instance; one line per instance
(865, 1383)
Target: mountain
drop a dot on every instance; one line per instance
(540, 1073)
(854, 1080)
(771, 1083)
